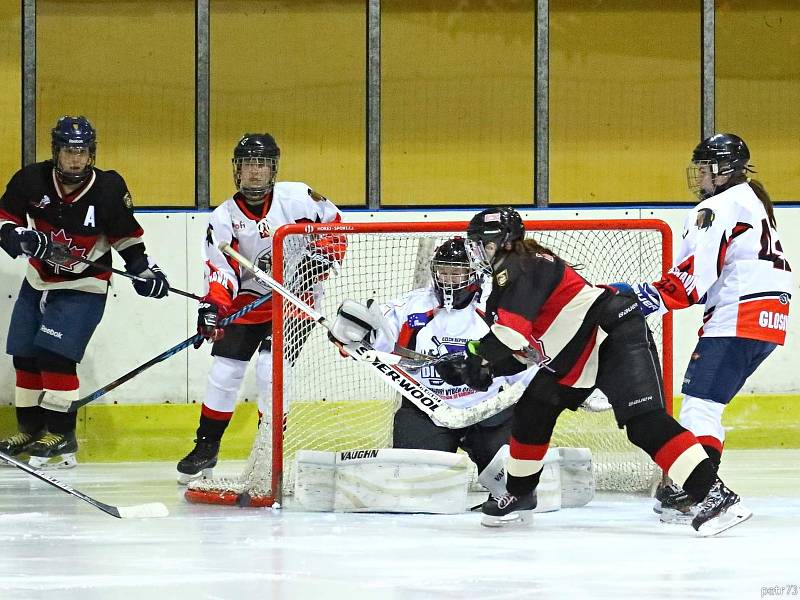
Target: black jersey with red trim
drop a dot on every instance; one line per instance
(555, 309)
(91, 220)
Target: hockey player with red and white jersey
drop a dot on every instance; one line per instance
(85, 211)
(730, 260)
(436, 320)
(247, 221)
(584, 337)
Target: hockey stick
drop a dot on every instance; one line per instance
(138, 511)
(164, 355)
(426, 400)
(61, 253)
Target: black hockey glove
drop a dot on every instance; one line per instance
(153, 284)
(312, 269)
(465, 368)
(20, 240)
(208, 315)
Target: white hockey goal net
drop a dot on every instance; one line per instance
(336, 404)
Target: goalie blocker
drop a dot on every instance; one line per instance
(426, 481)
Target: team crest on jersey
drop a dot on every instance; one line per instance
(416, 320)
(264, 262)
(128, 200)
(502, 278)
(43, 202)
(705, 217)
(264, 228)
(65, 263)
(316, 196)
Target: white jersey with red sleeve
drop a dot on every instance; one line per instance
(250, 234)
(732, 261)
(417, 322)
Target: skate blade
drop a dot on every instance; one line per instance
(733, 516)
(187, 478)
(44, 463)
(517, 519)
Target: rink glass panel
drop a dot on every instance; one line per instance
(624, 99)
(456, 102)
(129, 67)
(10, 89)
(758, 86)
(296, 70)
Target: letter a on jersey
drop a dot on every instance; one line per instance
(89, 220)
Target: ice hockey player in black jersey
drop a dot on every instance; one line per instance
(583, 337)
(68, 205)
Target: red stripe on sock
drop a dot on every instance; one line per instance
(670, 451)
(522, 451)
(29, 380)
(63, 382)
(708, 440)
(215, 414)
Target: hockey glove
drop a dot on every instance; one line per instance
(465, 368)
(20, 240)
(208, 315)
(646, 295)
(154, 283)
(355, 322)
(312, 269)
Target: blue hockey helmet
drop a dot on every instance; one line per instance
(76, 134)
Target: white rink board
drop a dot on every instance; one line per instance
(135, 329)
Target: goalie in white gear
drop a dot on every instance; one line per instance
(246, 221)
(435, 320)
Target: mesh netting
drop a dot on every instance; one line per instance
(336, 404)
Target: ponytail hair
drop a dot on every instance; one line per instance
(761, 192)
(531, 246)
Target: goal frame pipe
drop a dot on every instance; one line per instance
(436, 227)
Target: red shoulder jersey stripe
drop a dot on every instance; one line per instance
(569, 287)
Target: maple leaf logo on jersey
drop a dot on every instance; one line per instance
(66, 250)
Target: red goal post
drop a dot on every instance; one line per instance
(333, 406)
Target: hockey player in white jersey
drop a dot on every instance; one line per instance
(730, 260)
(436, 320)
(247, 221)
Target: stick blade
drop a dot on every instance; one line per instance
(143, 511)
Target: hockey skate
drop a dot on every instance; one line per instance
(19, 443)
(673, 504)
(200, 462)
(721, 509)
(54, 451)
(508, 510)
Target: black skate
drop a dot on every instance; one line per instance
(508, 509)
(199, 462)
(721, 509)
(19, 443)
(673, 504)
(54, 451)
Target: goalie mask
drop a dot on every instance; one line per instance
(498, 226)
(718, 162)
(455, 281)
(73, 143)
(255, 165)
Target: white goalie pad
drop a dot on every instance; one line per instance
(382, 480)
(577, 477)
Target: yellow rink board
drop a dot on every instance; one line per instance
(166, 431)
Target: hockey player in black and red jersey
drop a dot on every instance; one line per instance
(247, 221)
(68, 205)
(583, 337)
(731, 260)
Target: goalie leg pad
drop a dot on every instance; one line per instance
(382, 480)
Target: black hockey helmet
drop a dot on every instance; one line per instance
(722, 160)
(455, 280)
(259, 149)
(74, 133)
(499, 225)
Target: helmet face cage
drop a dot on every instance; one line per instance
(716, 163)
(260, 154)
(455, 281)
(74, 134)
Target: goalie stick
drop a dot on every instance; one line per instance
(426, 400)
(138, 511)
(61, 253)
(164, 355)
